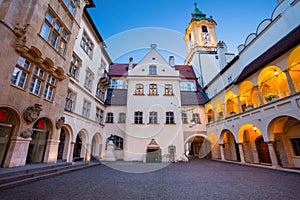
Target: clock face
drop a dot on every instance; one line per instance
(205, 36)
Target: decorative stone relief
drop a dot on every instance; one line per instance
(32, 112)
(26, 133)
(20, 32)
(60, 122)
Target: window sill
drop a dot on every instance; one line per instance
(19, 88)
(170, 95)
(153, 123)
(138, 94)
(170, 123)
(120, 122)
(61, 55)
(138, 124)
(153, 94)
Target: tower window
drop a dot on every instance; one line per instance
(204, 29)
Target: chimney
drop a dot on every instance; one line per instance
(172, 61)
(222, 50)
(130, 66)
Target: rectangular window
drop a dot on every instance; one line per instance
(138, 117)
(87, 44)
(122, 118)
(139, 89)
(36, 81)
(196, 118)
(116, 84)
(86, 109)
(187, 86)
(54, 32)
(50, 86)
(70, 101)
(89, 77)
(71, 5)
(152, 70)
(152, 89)
(100, 92)
(109, 117)
(153, 118)
(20, 73)
(74, 67)
(296, 145)
(184, 118)
(229, 79)
(170, 118)
(168, 90)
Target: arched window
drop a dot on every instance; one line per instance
(109, 117)
(204, 29)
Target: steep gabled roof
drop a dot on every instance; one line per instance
(186, 71)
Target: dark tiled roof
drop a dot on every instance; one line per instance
(284, 45)
(192, 98)
(116, 97)
(186, 71)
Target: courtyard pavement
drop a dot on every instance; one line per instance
(197, 179)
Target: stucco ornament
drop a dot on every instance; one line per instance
(26, 133)
(20, 32)
(32, 112)
(60, 122)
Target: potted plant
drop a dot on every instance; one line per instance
(271, 97)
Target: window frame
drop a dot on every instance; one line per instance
(86, 108)
(184, 118)
(122, 118)
(169, 90)
(37, 81)
(153, 89)
(50, 85)
(70, 102)
(139, 89)
(170, 118)
(152, 70)
(87, 44)
(75, 66)
(20, 66)
(153, 117)
(196, 118)
(89, 78)
(138, 117)
(109, 118)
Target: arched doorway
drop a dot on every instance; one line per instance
(262, 151)
(230, 147)
(63, 147)
(79, 150)
(285, 132)
(38, 143)
(96, 147)
(8, 123)
(198, 146)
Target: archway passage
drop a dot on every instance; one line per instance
(230, 147)
(96, 147)
(285, 132)
(38, 142)
(77, 147)
(7, 125)
(198, 146)
(262, 151)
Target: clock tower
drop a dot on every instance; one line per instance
(204, 52)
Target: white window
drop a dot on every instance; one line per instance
(187, 86)
(139, 89)
(89, 77)
(152, 70)
(87, 44)
(138, 117)
(99, 115)
(170, 118)
(100, 92)
(122, 118)
(54, 32)
(153, 118)
(70, 101)
(229, 79)
(74, 67)
(168, 90)
(36, 81)
(184, 118)
(20, 73)
(50, 86)
(196, 118)
(86, 109)
(152, 89)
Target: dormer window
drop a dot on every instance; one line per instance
(152, 70)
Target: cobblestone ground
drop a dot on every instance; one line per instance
(198, 179)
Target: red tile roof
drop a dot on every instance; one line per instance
(192, 98)
(186, 71)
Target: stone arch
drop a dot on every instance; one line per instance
(10, 122)
(231, 103)
(80, 145)
(96, 148)
(272, 83)
(209, 113)
(64, 147)
(293, 67)
(198, 145)
(215, 148)
(248, 96)
(230, 146)
(284, 131)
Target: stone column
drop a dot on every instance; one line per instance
(290, 82)
(272, 154)
(261, 101)
(70, 157)
(222, 152)
(50, 155)
(239, 105)
(88, 152)
(241, 153)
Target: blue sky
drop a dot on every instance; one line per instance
(235, 19)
